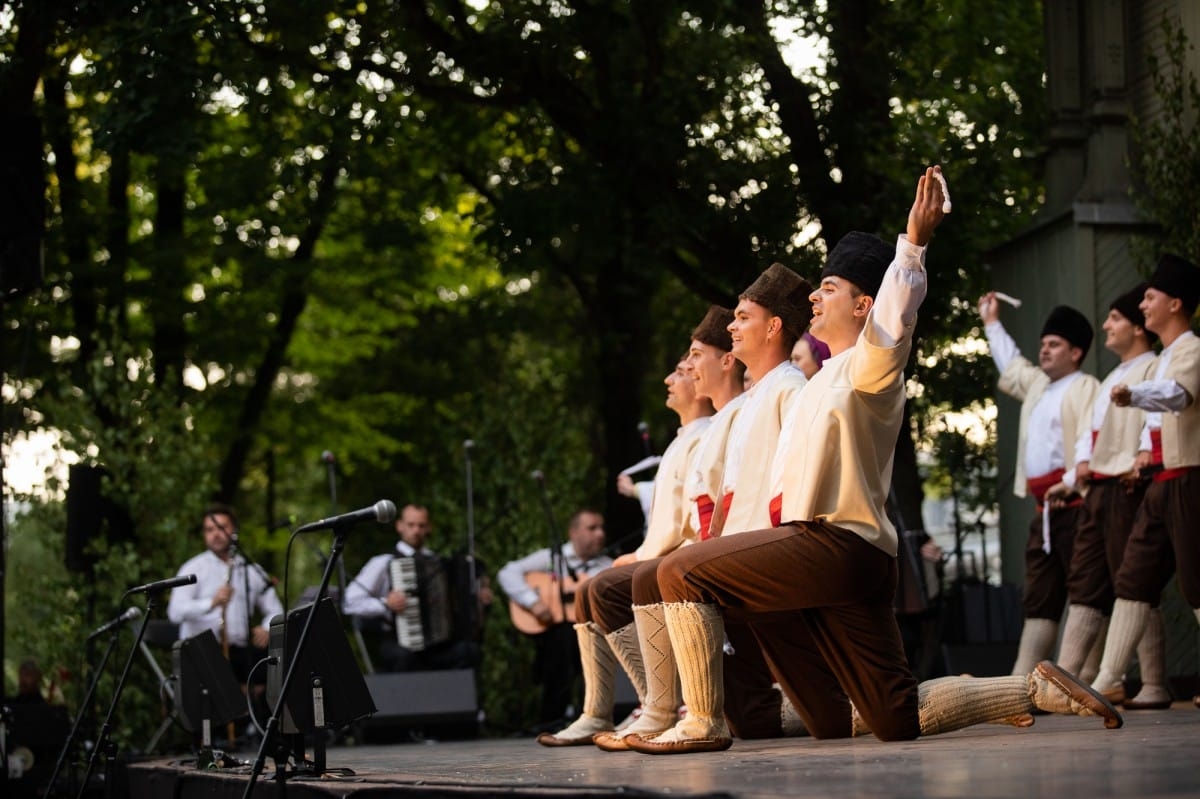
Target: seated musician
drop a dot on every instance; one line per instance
(409, 590)
(541, 594)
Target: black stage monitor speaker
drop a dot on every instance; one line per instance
(327, 677)
(207, 687)
(22, 204)
(416, 698)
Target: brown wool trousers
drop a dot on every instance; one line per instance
(819, 601)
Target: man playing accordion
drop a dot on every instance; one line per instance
(413, 592)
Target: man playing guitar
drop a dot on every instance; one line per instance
(541, 589)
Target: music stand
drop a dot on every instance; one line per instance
(206, 693)
(330, 692)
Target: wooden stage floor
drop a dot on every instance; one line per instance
(1155, 755)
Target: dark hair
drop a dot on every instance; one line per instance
(215, 508)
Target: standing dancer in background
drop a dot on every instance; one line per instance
(1164, 538)
(603, 645)
(1104, 456)
(1056, 399)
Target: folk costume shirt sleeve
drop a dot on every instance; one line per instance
(1168, 394)
(834, 460)
(670, 520)
(1022, 381)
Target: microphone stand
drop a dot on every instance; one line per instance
(331, 471)
(83, 708)
(268, 583)
(272, 730)
(102, 743)
(558, 563)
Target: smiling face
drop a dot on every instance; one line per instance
(839, 308)
(1057, 357)
(1119, 333)
(749, 330)
(1158, 307)
(706, 364)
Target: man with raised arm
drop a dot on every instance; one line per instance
(1056, 398)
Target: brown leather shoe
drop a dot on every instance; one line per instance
(611, 741)
(650, 746)
(1196, 700)
(1079, 696)
(1019, 720)
(1136, 704)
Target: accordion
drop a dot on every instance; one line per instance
(428, 617)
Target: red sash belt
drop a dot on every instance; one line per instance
(777, 510)
(1038, 486)
(704, 505)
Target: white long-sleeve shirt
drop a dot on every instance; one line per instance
(191, 606)
(834, 460)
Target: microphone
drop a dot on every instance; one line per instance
(159, 586)
(382, 511)
(469, 444)
(129, 615)
(327, 457)
(537, 474)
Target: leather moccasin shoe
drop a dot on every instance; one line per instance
(611, 741)
(1196, 700)
(652, 746)
(1058, 691)
(1019, 720)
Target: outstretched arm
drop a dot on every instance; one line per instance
(903, 287)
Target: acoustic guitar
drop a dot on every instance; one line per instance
(547, 587)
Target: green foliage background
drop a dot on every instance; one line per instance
(383, 229)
